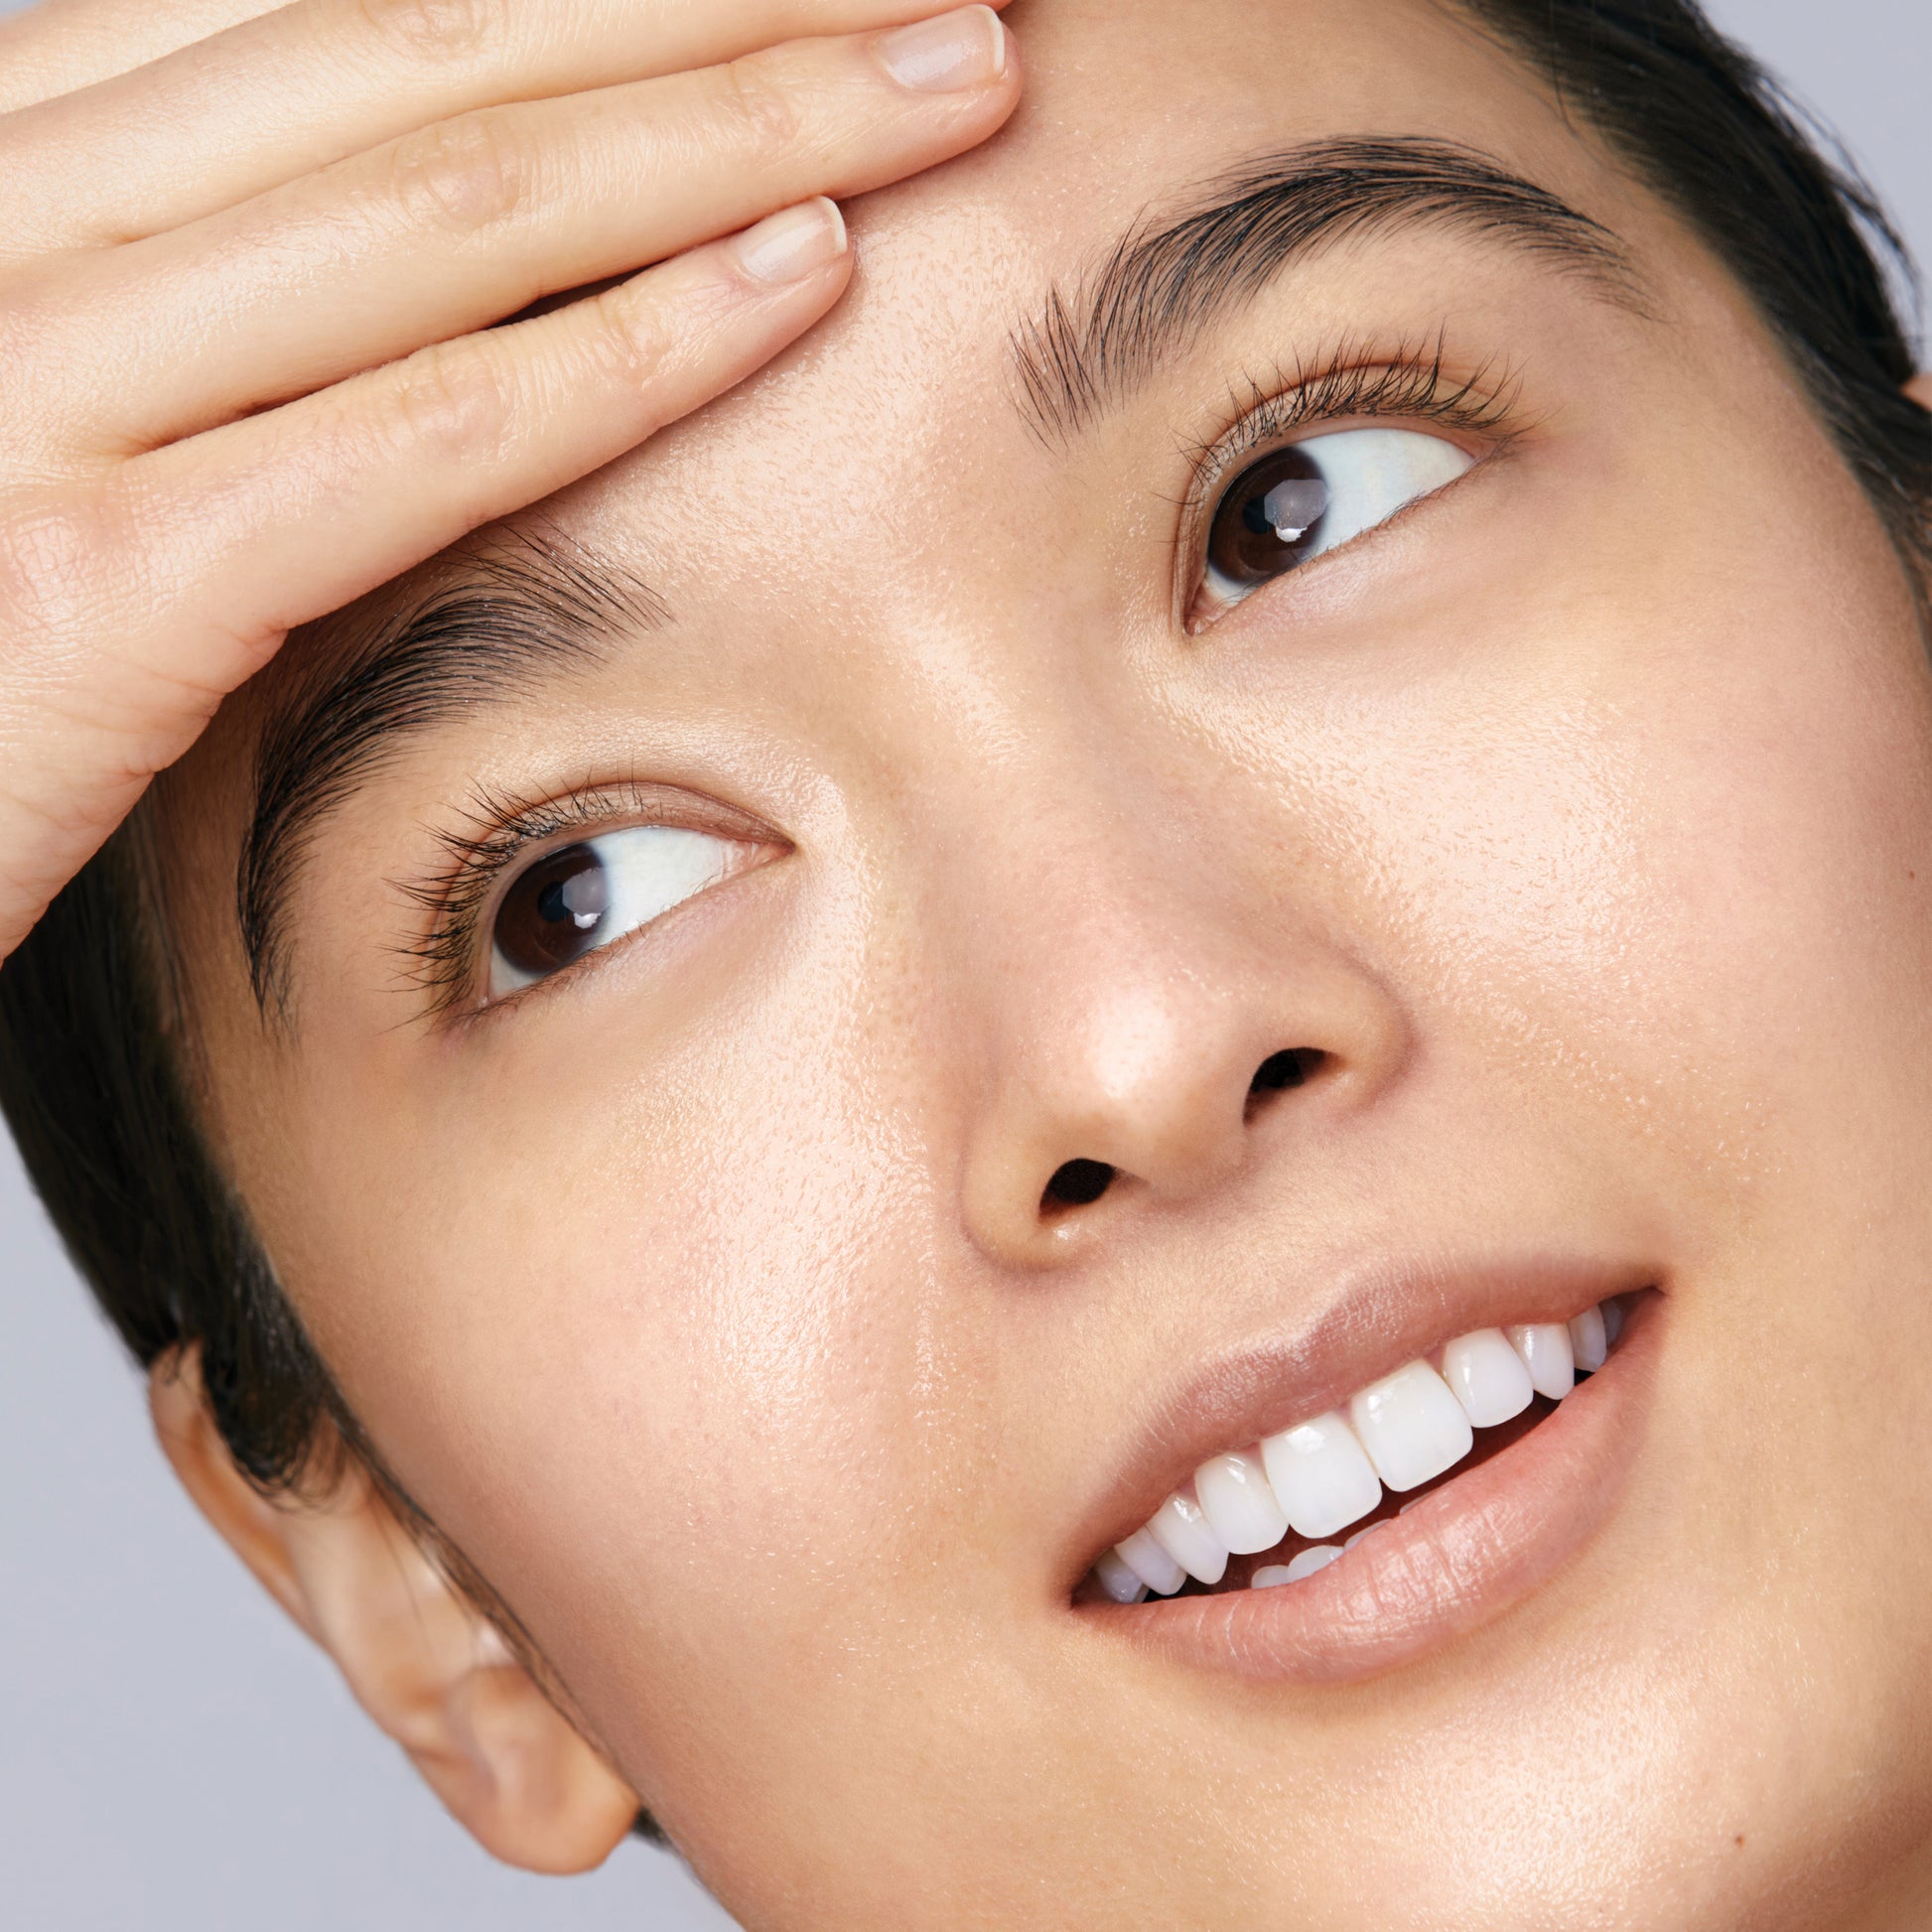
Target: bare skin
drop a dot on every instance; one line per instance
(711, 1292)
(314, 208)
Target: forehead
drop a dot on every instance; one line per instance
(887, 468)
(1135, 110)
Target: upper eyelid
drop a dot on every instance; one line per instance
(1402, 381)
(457, 898)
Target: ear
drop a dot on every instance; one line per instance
(431, 1672)
(1920, 390)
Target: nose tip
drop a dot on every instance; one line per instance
(1144, 1027)
(1048, 1180)
(1081, 1182)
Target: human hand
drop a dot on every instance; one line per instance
(242, 285)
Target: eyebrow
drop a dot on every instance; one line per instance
(1168, 279)
(524, 607)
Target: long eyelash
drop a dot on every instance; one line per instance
(496, 830)
(1351, 381)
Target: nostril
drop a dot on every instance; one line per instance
(1077, 1184)
(1294, 1067)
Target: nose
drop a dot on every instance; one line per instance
(1146, 1027)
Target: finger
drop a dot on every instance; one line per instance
(58, 45)
(263, 525)
(479, 218)
(293, 91)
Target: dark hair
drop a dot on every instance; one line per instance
(95, 1075)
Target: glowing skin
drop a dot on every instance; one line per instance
(1578, 818)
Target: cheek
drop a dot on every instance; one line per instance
(661, 1287)
(1637, 808)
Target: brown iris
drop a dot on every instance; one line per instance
(552, 915)
(1270, 519)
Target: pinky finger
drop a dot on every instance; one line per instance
(292, 514)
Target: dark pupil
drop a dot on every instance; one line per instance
(1270, 519)
(552, 914)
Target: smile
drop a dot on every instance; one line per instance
(1426, 1502)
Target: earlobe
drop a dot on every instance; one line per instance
(431, 1672)
(1920, 390)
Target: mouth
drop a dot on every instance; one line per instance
(1424, 1503)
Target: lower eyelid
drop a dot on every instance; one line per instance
(737, 858)
(1196, 622)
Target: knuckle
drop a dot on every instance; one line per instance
(465, 174)
(631, 342)
(757, 112)
(52, 553)
(451, 401)
(428, 33)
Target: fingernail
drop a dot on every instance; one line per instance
(788, 247)
(949, 55)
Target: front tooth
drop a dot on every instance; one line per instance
(1119, 1581)
(1587, 1341)
(1545, 1350)
(1321, 1476)
(1411, 1425)
(1612, 1313)
(1487, 1377)
(1180, 1529)
(1239, 1505)
(1151, 1564)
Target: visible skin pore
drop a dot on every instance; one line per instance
(1581, 817)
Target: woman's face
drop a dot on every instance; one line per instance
(1027, 784)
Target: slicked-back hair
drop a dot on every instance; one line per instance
(92, 1076)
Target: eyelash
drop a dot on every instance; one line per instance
(501, 828)
(1348, 382)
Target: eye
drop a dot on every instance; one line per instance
(572, 901)
(1313, 495)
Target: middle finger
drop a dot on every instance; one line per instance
(462, 225)
(310, 84)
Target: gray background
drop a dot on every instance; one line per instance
(172, 1754)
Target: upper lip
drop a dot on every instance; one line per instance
(1366, 1328)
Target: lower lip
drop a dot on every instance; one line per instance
(1464, 1556)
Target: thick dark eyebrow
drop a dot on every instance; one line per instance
(517, 607)
(1168, 278)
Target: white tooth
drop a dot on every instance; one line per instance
(1270, 1576)
(1239, 1505)
(1310, 1561)
(1589, 1341)
(1487, 1377)
(1320, 1475)
(1545, 1350)
(1181, 1530)
(1151, 1564)
(1612, 1313)
(1119, 1581)
(1411, 1426)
